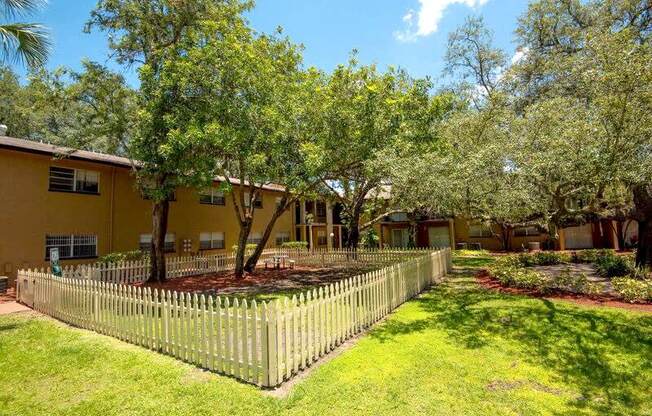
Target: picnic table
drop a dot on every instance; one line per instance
(278, 261)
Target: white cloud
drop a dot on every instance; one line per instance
(426, 20)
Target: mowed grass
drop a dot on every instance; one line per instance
(456, 350)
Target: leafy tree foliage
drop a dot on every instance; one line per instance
(158, 36)
(91, 109)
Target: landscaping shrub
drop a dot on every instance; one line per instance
(471, 253)
(510, 272)
(295, 245)
(592, 255)
(543, 258)
(248, 248)
(614, 266)
(633, 290)
(123, 256)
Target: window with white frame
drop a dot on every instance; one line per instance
(74, 180)
(479, 231)
(258, 203)
(527, 232)
(255, 238)
(282, 237)
(212, 196)
(71, 246)
(145, 243)
(210, 241)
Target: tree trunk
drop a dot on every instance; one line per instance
(643, 213)
(353, 231)
(506, 234)
(255, 256)
(157, 270)
(245, 228)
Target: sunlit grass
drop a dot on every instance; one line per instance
(456, 350)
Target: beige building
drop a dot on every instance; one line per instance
(87, 205)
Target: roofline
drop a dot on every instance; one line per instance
(40, 148)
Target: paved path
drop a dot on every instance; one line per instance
(11, 307)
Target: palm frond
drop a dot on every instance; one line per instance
(13, 8)
(24, 42)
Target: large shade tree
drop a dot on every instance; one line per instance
(588, 68)
(363, 113)
(91, 109)
(158, 36)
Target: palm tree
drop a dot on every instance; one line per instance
(23, 42)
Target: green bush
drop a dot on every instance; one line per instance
(633, 290)
(543, 258)
(510, 273)
(295, 245)
(592, 255)
(471, 253)
(614, 266)
(123, 256)
(248, 247)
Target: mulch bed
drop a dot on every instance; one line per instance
(261, 280)
(485, 280)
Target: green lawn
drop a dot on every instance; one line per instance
(457, 350)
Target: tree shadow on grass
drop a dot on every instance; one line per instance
(606, 355)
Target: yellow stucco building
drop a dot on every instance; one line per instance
(87, 204)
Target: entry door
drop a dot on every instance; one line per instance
(439, 237)
(578, 237)
(400, 237)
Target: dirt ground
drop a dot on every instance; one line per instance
(486, 281)
(262, 281)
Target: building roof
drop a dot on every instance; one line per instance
(63, 152)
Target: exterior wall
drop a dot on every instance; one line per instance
(117, 216)
(385, 229)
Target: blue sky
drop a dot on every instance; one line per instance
(407, 33)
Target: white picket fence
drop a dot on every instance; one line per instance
(263, 343)
(130, 272)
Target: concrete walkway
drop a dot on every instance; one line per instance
(12, 307)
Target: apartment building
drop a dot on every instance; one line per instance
(87, 205)
(394, 231)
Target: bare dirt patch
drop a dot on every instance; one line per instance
(485, 280)
(263, 281)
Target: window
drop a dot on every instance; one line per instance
(321, 238)
(479, 231)
(212, 196)
(282, 237)
(258, 203)
(278, 200)
(254, 238)
(526, 232)
(321, 209)
(74, 180)
(208, 241)
(71, 246)
(145, 243)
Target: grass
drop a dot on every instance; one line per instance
(455, 350)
